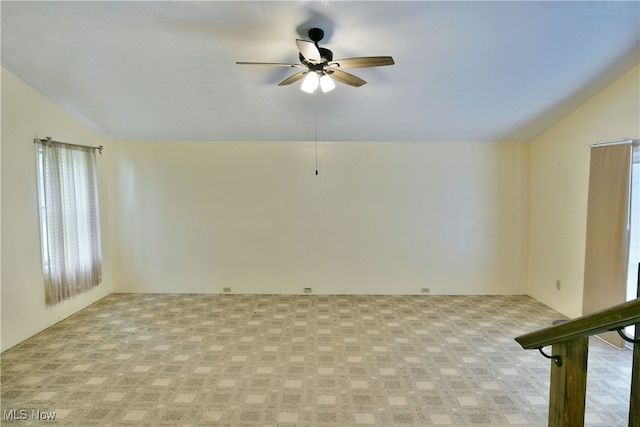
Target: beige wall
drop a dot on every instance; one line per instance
(458, 218)
(380, 218)
(559, 185)
(26, 115)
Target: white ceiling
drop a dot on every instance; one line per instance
(465, 71)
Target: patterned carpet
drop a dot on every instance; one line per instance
(298, 360)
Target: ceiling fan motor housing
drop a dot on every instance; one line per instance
(325, 54)
(317, 34)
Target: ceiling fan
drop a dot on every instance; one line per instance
(319, 69)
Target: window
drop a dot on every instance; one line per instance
(69, 219)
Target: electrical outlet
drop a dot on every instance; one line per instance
(226, 289)
(307, 290)
(424, 290)
(558, 284)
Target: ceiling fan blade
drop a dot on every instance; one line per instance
(363, 62)
(294, 78)
(346, 78)
(279, 64)
(309, 50)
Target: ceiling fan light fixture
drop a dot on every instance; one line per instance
(326, 83)
(310, 82)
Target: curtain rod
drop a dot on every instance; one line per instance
(48, 139)
(615, 142)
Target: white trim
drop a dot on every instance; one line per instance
(633, 141)
(42, 210)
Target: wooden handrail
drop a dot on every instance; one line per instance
(570, 341)
(609, 319)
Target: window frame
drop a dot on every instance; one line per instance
(42, 210)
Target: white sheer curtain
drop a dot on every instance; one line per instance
(71, 220)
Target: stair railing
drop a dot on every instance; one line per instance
(570, 347)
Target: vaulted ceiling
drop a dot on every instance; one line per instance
(465, 71)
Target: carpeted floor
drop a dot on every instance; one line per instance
(299, 360)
